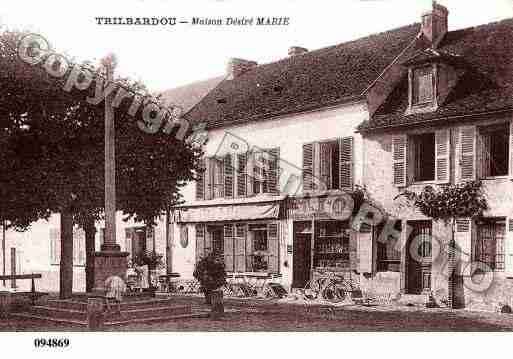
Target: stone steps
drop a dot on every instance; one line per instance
(75, 312)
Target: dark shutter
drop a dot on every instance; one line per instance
(228, 247)
(240, 247)
(346, 162)
(273, 247)
(325, 165)
(200, 182)
(242, 160)
(399, 149)
(228, 176)
(308, 167)
(200, 241)
(274, 171)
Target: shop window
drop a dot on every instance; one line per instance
(260, 255)
(494, 147)
(332, 245)
(388, 258)
(216, 234)
(488, 247)
(423, 151)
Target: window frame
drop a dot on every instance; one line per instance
(476, 239)
(412, 168)
(485, 130)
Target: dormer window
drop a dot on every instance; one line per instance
(422, 89)
(422, 86)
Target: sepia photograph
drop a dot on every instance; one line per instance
(275, 166)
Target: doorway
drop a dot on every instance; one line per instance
(418, 264)
(302, 254)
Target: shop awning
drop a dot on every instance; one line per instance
(233, 212)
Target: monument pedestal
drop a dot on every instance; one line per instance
(106, 263)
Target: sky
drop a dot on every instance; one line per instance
(164, 57)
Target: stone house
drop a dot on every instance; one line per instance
(447, 119)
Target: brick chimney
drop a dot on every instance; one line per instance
(237, 67)
(297, 50)
(434, 24)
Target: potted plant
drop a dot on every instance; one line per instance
(210, 273)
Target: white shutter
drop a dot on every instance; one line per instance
(228, 247)
(399, 152)
(511, 149)
(508, 248)
(442, 152)
(463, 239)
(467, 153)
(364, 250)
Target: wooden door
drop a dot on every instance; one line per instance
(302, 259)
(418, 275)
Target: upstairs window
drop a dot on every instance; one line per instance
(422, 86)
(494, 146)
(423, 147)
(328, 165)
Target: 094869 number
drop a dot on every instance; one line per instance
(51, 342)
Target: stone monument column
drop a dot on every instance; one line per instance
(109, 260)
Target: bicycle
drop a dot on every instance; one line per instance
(331, 286)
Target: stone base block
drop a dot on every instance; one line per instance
(107, 263)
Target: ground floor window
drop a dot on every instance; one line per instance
(388, 256)
(488, 246)
(245, 247)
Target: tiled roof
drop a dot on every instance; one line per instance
(486, 86)
(304, 82)
(189, 95)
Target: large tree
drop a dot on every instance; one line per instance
(52, 153)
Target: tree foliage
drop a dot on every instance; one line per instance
(52, 149)
(450, 201)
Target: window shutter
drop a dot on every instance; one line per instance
(353, 250)
(508, 260)
(511, 149)
(399, 149)
(273, 247)
(346, 162)
(240, 247)
(442, 153)
(467, 153)
(228, 175)
(308, 166)
(249, 252)
(463, 240)
(242, 160)
(228, 247)
(200, 182)
(200, 241)
(364, 250)
(325, 158)
(55, 247)
(129, 232)
(274, 171)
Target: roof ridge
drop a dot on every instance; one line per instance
(338, 45)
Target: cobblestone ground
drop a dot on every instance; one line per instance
(265, 315)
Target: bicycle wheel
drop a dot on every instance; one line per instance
(312, 289)
(334, 293)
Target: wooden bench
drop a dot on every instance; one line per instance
(33, 294)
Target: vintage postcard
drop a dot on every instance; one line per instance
(271, 166)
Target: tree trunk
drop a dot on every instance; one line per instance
(66, 267)
(90, 232)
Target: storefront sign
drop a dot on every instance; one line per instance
(327, 207)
